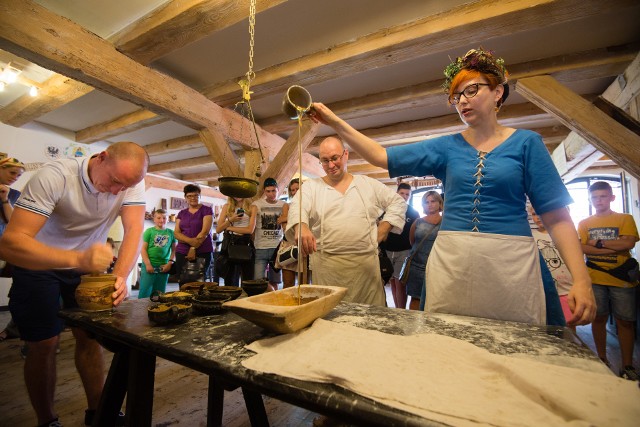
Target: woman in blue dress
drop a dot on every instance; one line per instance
(485, 262)
(422, 236)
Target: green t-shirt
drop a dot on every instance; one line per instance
(159, 245)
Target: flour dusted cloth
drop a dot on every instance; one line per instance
(458, 383)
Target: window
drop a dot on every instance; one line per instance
(579, 190)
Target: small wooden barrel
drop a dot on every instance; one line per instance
(94, 292)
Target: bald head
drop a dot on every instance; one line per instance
(333, 158)
(132, 154)
(330, 142)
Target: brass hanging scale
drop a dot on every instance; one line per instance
(236, 186)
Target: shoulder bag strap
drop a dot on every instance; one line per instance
(437, 226)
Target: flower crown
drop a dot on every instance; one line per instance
(479, 60)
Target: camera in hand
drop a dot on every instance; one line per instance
(240, 212)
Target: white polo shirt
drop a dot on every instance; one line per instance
(78, 215)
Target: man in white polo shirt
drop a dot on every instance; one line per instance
(58, 232)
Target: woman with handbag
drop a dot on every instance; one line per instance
(193, 232)
(237, 255)
(422, 235)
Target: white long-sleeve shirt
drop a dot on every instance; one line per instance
(346, 223)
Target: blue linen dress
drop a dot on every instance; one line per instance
(487, 192)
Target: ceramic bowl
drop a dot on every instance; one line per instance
(94, 292)
(176, 297)
(205, 305)
(254, 287)
(232, 292)
(165, 314)
(281, 311)
(195, 288)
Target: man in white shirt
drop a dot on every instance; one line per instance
(57, 233)
(268, 232)
(339, 213)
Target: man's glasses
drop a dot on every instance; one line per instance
(192, 196)
(468, 92)
(334, 159)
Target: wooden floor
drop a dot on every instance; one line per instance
(180, 393)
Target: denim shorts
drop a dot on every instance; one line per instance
(623, 301)
(36, 297)
(397, 258)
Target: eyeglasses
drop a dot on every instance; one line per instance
(468, 92)
(192, 196)
(334, 159)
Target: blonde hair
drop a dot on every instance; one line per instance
(435, 195)
(232, 205)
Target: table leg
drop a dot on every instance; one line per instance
(142, 368)
(115, 387)
(215, 403)
(255, 408)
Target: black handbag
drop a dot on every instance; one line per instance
(240, 248)
(386, 266)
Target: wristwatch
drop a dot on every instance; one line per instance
(172, 261)
(599, 244)
(4, 202)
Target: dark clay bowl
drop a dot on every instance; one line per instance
(178, 297)
(209, 304)
(231, 292)
(254, 287)
(165, 314)
(195, 288)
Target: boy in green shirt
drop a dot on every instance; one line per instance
(158, 253)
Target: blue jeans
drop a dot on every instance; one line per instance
(263, 256)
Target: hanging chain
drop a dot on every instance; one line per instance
(245, 83)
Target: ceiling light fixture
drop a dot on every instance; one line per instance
(12, 74)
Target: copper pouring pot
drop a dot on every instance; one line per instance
(295, 99)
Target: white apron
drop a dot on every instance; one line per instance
(359, 273)
(485, 275)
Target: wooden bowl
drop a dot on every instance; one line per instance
(254, 287)
(232, 292)
(281, 312)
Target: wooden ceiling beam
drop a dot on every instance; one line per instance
(593, 64)
(26, 30)
(286, 161)
(157, 181)
(199, 18)
(177, 24)
(174, 145)
(137, 120)
(57, 91)
(601, 131)
(181, 164)
(460, 26)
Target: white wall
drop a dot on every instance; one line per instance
(37, 143)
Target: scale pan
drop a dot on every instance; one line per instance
(238, 187)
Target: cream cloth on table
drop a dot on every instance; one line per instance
(448, 380)
(359, 273)
(486, 275)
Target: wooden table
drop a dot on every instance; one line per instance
(215, 344)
